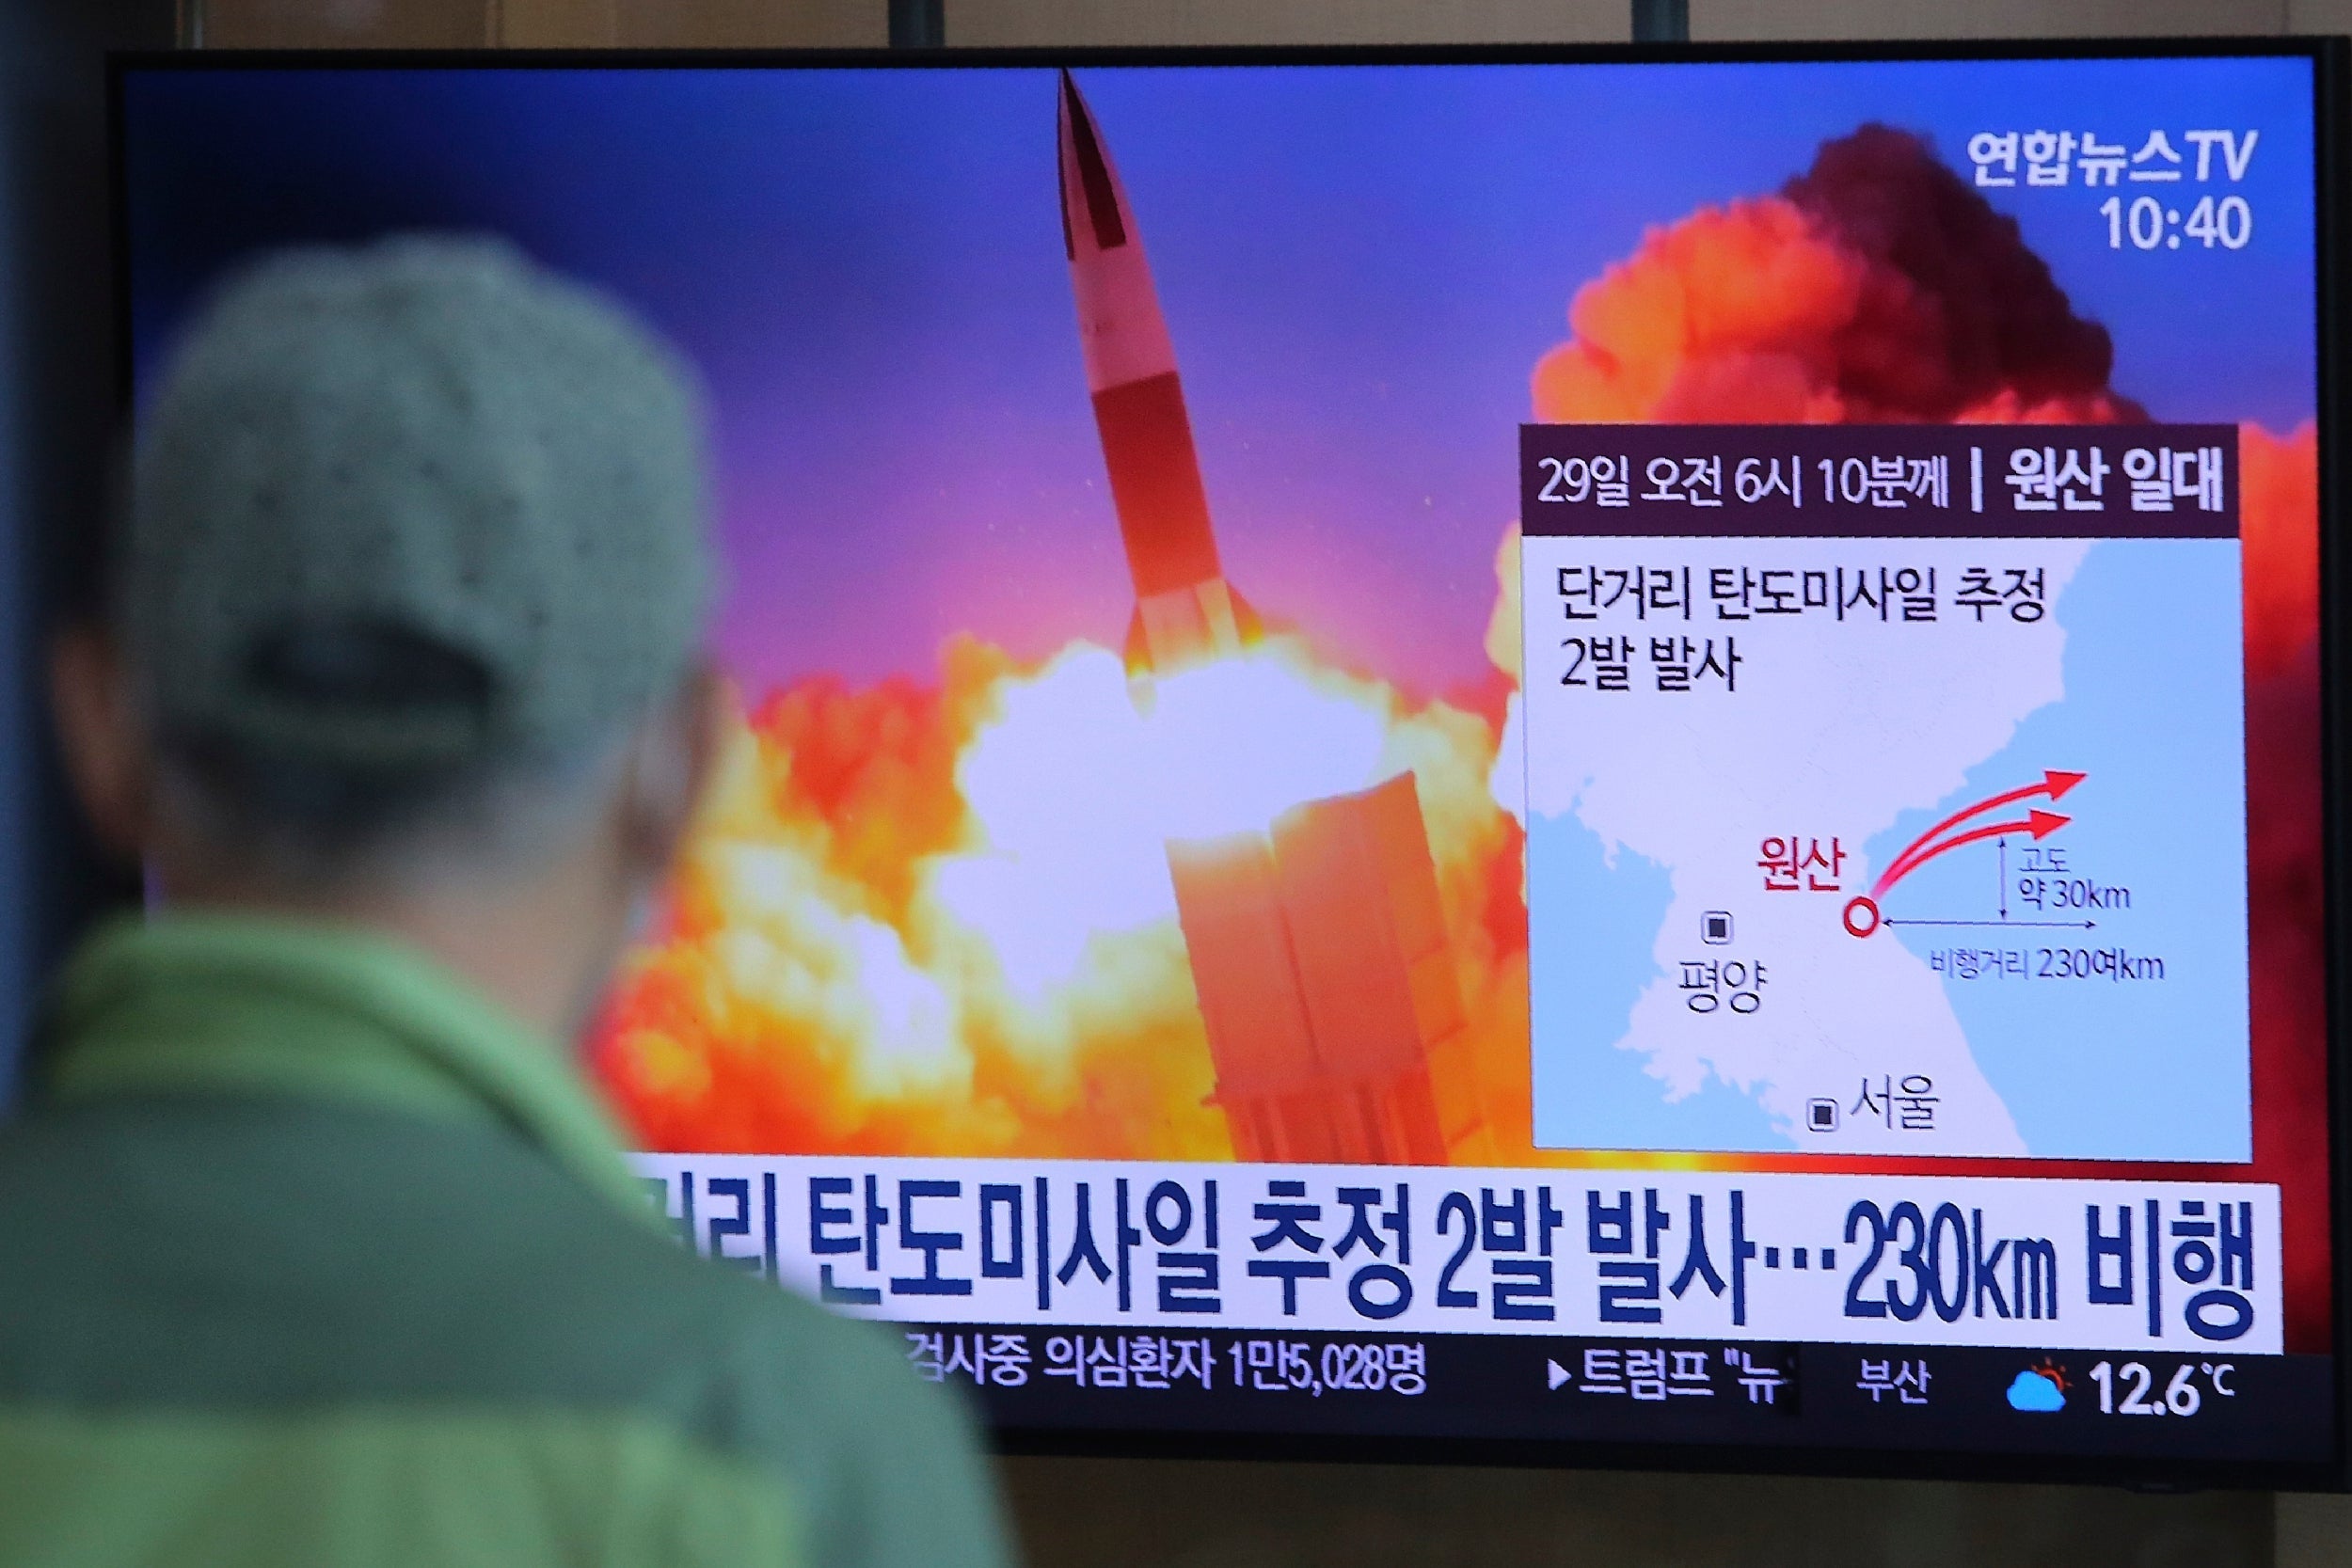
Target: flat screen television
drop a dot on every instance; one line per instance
(1563, 756)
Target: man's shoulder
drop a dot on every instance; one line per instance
(886, 1467)
(892, 1471)
(783, 1358)
(326, 1255)
(348, 1252)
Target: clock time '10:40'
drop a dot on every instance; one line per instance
(2150, 224)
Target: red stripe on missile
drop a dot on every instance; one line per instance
(1155, 483)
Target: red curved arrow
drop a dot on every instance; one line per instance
(2042, 824)
(2054, 784)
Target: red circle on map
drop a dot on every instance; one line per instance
(1862, 917)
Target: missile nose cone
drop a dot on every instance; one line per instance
(1091, 206)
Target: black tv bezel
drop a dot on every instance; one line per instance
(2331, 62)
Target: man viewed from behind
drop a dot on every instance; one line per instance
(314, 1247)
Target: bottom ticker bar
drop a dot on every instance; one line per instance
(2120, 1404)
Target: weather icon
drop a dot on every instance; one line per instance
(2038, 1388)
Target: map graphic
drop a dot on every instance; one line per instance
(1912, 842)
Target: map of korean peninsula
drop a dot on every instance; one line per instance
(1885, 790)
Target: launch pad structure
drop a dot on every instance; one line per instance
(1326, 984)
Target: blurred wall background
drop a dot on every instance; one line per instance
(56, 423)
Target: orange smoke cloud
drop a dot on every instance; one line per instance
(2286, 907)
(1878, 287)
(2279, 508)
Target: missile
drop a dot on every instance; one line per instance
(1185, 613)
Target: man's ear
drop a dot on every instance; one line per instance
(670, 767)
(109, 759)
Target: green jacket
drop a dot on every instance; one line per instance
(309, 1256)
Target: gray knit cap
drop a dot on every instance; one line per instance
(428, 440)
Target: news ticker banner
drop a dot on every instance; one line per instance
(2193, 1405)
(1763, 1257)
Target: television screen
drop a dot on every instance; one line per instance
(1537, 755)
